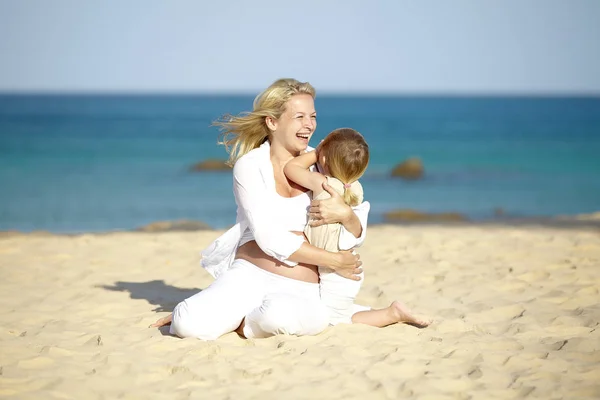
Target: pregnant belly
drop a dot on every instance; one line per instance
(301, 272)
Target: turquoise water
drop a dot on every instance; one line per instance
(98, 163)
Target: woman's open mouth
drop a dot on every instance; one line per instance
(303, 136)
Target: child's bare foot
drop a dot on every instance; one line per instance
(162, 321)
(402, 314)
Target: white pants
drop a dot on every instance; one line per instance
(338, 294)
(271, 304)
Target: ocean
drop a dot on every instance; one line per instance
(88, 163)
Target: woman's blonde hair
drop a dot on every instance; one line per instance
(248, 130)
(346, 155)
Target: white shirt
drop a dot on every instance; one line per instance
(254, 191)
(291, 213)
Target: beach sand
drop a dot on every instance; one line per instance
(515, 308)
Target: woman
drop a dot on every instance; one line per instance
(266, 278)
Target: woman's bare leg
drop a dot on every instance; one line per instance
(162, 321)
(395, 313)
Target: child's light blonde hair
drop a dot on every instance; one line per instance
(346, 156)
(248, 130)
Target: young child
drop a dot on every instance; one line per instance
(343, 157)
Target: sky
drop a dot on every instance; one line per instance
(352, 46)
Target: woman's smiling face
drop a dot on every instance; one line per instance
(296, 125)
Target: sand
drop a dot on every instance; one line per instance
(516, 313)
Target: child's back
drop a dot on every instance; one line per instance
(327, 236)
(337, 292)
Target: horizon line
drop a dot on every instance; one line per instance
(324, 93)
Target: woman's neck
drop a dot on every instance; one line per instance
(280, 156)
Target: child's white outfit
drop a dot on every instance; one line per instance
(337, 292)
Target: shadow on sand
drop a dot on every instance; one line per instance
(164, 297)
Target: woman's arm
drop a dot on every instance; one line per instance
(249, 190)
(334, 210)
(256, 205)
(345, 262)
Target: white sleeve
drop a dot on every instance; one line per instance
(348, 240)
(256, 205)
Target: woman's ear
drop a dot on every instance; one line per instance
(271, 123)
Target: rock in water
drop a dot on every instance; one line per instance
(210, 165)
(168, 226)
(418, 216)
(411, 168)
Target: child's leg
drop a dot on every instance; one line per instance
(338, 294)
(395, 313)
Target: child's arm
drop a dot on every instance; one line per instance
(297, 171)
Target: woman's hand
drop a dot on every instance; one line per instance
(348, 265)
(329, 211)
